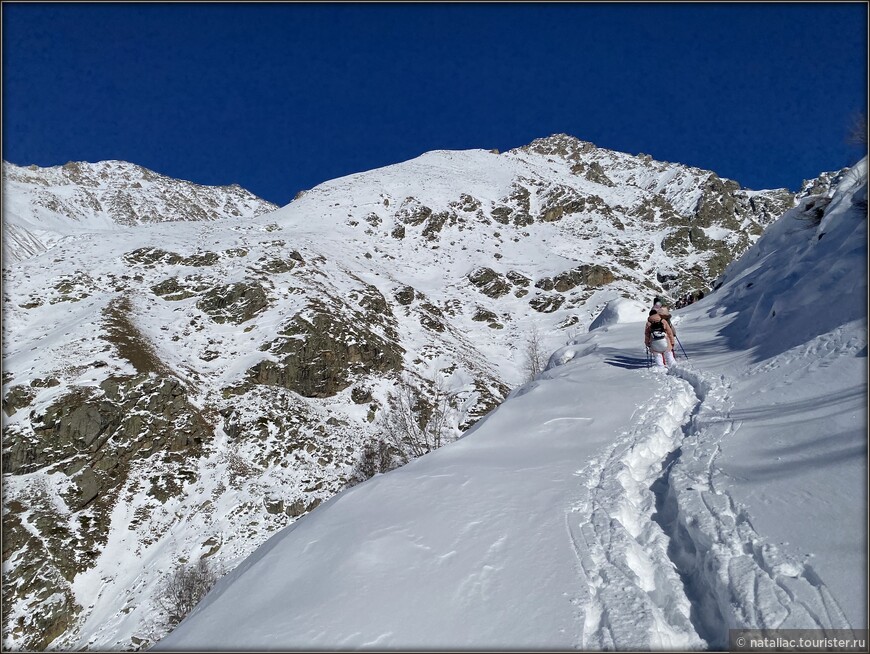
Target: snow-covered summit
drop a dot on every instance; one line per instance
(41, 205)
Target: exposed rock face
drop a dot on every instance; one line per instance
(412, 212)
(467, 203)
(405, 295)
(18, 397)
(717, 205)
(560, 145)
(175, 288)
(821, 185)
(235, 303)
(560, 201)
(489, 282)
(518, 279)
(515, 208)
(767, 208)
(593, 276)
(593, 172)
(320, 356)
(435, 223)
(546, 303)
(484, 315)
(92, 439)
(151, 256)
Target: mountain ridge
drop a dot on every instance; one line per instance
(59, 200)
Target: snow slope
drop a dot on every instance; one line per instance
(607, 505)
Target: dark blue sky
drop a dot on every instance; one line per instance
(281, 97)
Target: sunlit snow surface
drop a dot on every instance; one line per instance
(607, 505)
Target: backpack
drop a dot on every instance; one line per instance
(657, 330)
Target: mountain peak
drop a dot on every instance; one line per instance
(50, 203)
(561, 145)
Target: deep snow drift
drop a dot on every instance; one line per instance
(606, 505)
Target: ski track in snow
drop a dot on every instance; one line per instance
(736, 579)
(635, 598)
(671, 561)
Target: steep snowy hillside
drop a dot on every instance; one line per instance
(42, 205)
(606, 505)
(177, 391)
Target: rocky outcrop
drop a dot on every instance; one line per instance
(319, 355)
(489, 282)
(560, 201)
(174, 289)
(413, 212)
(17, 398)
(405, 295)
(466, 203)
(593, 172)
(717, 204)
(92, 437)
(34, 560)
(766, 208)
(560, 145)
(435, 224)
(592, 276)
(518, 279)
(151, 256)
(546, 303)
(822, 184)
(515, 208)
(487, 316)
(234, 303)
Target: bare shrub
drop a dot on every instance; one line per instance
(376, 457)
(184, 589)
(238, 467)
(535, 358)
(415, 424)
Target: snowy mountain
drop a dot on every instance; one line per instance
(182, 390)
(42, 205)
(606, 505)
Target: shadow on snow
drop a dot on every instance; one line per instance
(627, 362)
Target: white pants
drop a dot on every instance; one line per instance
(663, 359)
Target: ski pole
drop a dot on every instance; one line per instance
(681, 347)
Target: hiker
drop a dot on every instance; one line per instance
(659, 340)
(661, 309)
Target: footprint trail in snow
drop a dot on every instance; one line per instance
(671, 561)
